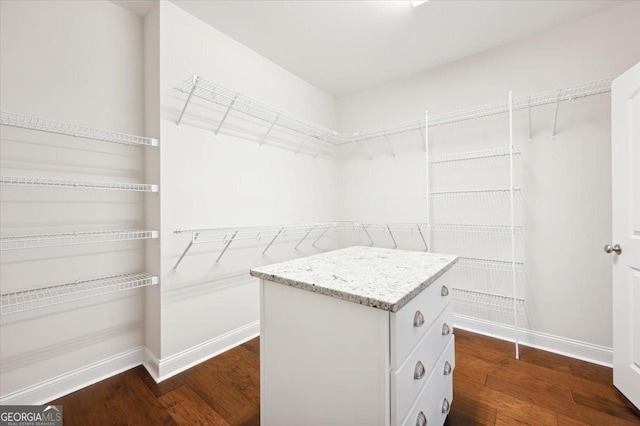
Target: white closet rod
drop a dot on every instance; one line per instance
(232, 100)
(61, 128)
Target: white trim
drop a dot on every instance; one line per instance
(66, 383)
(589, 352)
(162, 369)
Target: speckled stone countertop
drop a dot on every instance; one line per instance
(386, 279)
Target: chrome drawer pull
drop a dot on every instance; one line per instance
(418, 319)
(421, 420)
(447, 368)
(419, 371)
(445, 291)
(445, 406)
(445, 329)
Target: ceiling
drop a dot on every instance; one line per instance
(343, 47)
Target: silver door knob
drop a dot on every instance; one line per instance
(615, 249)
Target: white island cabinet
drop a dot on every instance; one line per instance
(358, 336)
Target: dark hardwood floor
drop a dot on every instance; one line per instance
(490, 388)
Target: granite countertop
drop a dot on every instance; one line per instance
(386, 279)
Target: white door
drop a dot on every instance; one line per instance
(625, 248)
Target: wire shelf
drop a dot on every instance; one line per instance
(58, 127)
(12, 303)
(235, 101)
(223, 234)
(473, 228)
(20, 242)
(474, 192)
(75, 184)
(489, 264)
(489, 301)
(473, 155)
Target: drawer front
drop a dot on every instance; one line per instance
(410, 323)
(412, 375)
(430, 403)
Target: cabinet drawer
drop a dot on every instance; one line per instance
(439, 387)
(410, 323)
(410, 378)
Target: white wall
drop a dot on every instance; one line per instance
(566, 200)
(210, 181)
(77, 62)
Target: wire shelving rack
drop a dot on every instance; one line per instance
(31, 181)
(21, 242)
(11, 303)
(61, 128)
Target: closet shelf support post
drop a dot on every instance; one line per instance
(364, 228)
(226, 246)
(426, 247)
(555, 116)
(224, 117)
(184, 108)
(184, 253)
(305, 237)
(264, 252)
(395, 244)
(321, 235)
(393, 152)
(269, 130)
(315, 154)
(302, 143)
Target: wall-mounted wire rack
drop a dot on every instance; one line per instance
(20, 242)
(11, 303)
(489, 264)
(493, 191)
(231, 100)
(31, 181)
(227, 235)
(487, 301)
(61, 128)
(473, 155)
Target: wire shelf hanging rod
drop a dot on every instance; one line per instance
(20, 242)
(13, 119)
(75, 184)
(11, 303)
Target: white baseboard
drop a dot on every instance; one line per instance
(64, 384)
(162, 369)
(596, 354)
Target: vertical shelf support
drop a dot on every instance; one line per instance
(426, 247)
(226, 246)
(422, 136)
(393, 152)
(555, 116)
(224, 117)
(364, 228)
(513, 230)
(272, 241)
(395, 244)
(315, 154)
(366, 144)
(184, 253)
(184, 108)
(305, 237)
(302, 143)
(530, 131)
(321, 235)
(426, 155)
(269, 130)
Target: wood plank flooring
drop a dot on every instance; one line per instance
(490, 388)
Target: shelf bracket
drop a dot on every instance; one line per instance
(184, 108)
(184, 253)
(366, 144)
(305, 237)
(272, 241)
(302, 143)
(315, 154)
(393, 152)
(273, 123)
(321, 235)
(224, 117)
(226, 246)
(426, 247)
(364, 228)
(424, 140)
(555, 116)
(395, 244)
(530, 131)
